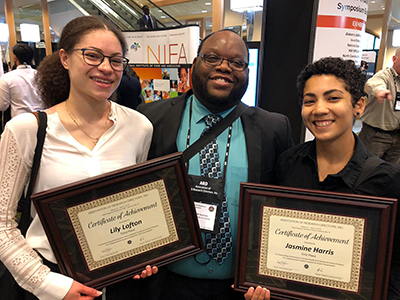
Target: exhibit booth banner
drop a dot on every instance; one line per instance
(340, 29)
(339, 32)
(369, 61)
(162, 59)
(166, 46)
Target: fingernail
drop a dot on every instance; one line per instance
(99, 293)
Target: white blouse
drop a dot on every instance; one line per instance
(64, 160)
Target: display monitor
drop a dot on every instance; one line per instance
(250, 97)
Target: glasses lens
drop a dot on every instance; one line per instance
(118, 63)
(92, 57)
(212, 59)
(237, 65)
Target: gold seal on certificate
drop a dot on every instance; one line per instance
(128, 223)
(319, 249)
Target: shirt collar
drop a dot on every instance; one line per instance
(24, 67)
(396, 75)
(352, 170)
(199, 111)
(113, 116)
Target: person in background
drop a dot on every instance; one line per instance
(129, 91)
(6, 68)
(381, 119)
(331, 92)
(256, 139)
(17, 89)
(147, 21)
(87, 135)
(183, 86)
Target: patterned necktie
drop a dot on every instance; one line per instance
(219, 245)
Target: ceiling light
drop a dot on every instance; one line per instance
(203, 11)
(249, 5)
(30, 32)
(207, 3)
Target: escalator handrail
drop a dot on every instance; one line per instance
(165, 13)
(125, 25)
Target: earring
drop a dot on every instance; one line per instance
(357, 114)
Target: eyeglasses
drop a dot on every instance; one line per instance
(95, 58)
(214, 60)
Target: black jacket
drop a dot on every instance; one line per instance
(267, 134)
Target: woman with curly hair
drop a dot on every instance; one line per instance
(332, 96)
(86, 135)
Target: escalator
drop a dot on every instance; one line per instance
(124, 14)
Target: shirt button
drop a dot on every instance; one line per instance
(210, 271)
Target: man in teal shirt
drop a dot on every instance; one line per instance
(257, 138)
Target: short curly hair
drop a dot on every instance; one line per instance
(346, 70)
(52, 79)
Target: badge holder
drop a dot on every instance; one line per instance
(208, 194)
(397, 102)
(397, 98)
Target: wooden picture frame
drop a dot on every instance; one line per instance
(108, 228)
(307, 244)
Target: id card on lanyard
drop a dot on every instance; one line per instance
(397, 93)
(208, 193)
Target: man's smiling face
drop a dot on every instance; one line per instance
(219, 87)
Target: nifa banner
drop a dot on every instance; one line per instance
(172, 46)
(163, 59)
(340, 29)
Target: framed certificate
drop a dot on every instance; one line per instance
(307, 244)
(109, 227)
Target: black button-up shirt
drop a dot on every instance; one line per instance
(298, 167)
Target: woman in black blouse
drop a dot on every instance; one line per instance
(332, 96)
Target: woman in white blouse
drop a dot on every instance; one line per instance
(87, 135)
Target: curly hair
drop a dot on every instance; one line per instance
(346, 70)
(52, 79)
